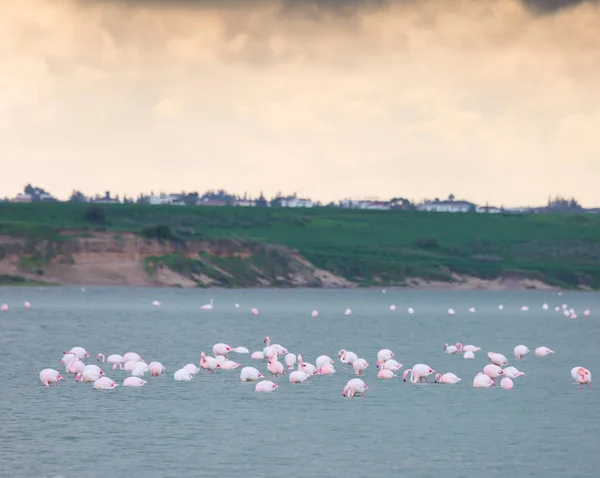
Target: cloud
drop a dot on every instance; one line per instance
(489, 100)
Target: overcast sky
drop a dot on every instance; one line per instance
(494, 101)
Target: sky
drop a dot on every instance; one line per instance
(494, 101)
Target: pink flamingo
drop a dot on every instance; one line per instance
(355, 387)
(446, 378)
(156, 369)
(419, 372)
(27, 305)
(90, 373)
(482, 381)
(506, 383)
(543, 351)
(512, 372)
(347, 357)
(105, 383)
(182, 375)
(250, 374)
(290, 361)
(4, 307)
(326, 369)
(80, 352)
(497, 359)
(228, 365)
(113, 358)
(208, 363)
(49, 375)
(385, 374)
(493, 371)
(191, 368)
(384, 355)
(255, 312)
(132, 357)
(323, 360)
(265, 386)
(299, 376)
(359, 366)
(308, 368)
(75, 365)
(452, 349)
(275, 367)
(134, 382)
(520, 351)
(581, 375)
(389, 365)
(221, 349)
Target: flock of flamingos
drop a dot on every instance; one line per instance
(299, 370)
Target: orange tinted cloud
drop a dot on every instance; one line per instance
(491, 101)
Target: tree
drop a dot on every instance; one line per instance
(451, 197)
(261, 201)
(77, 196)
(95, 215)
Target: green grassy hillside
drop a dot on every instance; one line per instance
(365, 246)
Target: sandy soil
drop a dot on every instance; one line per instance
(118, 260)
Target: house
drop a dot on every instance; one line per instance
(447, 206)
(376, 205)
(349, 203)
(166, 199)
(292, 201)
(213, 202)
(488, 210)
(365, 204)
(22, 198)
(106, 199)
(244, 203)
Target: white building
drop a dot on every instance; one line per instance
(488, 210)
(166, 199)
(295, 202)
(447, 206)
(244, 203)
(361, 204)
(22, 198)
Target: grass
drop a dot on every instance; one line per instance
(10, 280)
(367, 246)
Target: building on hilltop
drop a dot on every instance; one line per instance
(166, 199)
(447, 206)
(22, 198)
(34, 194)
(213, 202)
(244, 202)
(292, 201)
(488, 210)
(106, 199)
(369, 204)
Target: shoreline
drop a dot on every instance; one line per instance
(465, 284)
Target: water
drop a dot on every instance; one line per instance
(216, 425)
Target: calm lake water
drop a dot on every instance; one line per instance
(216, 425)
